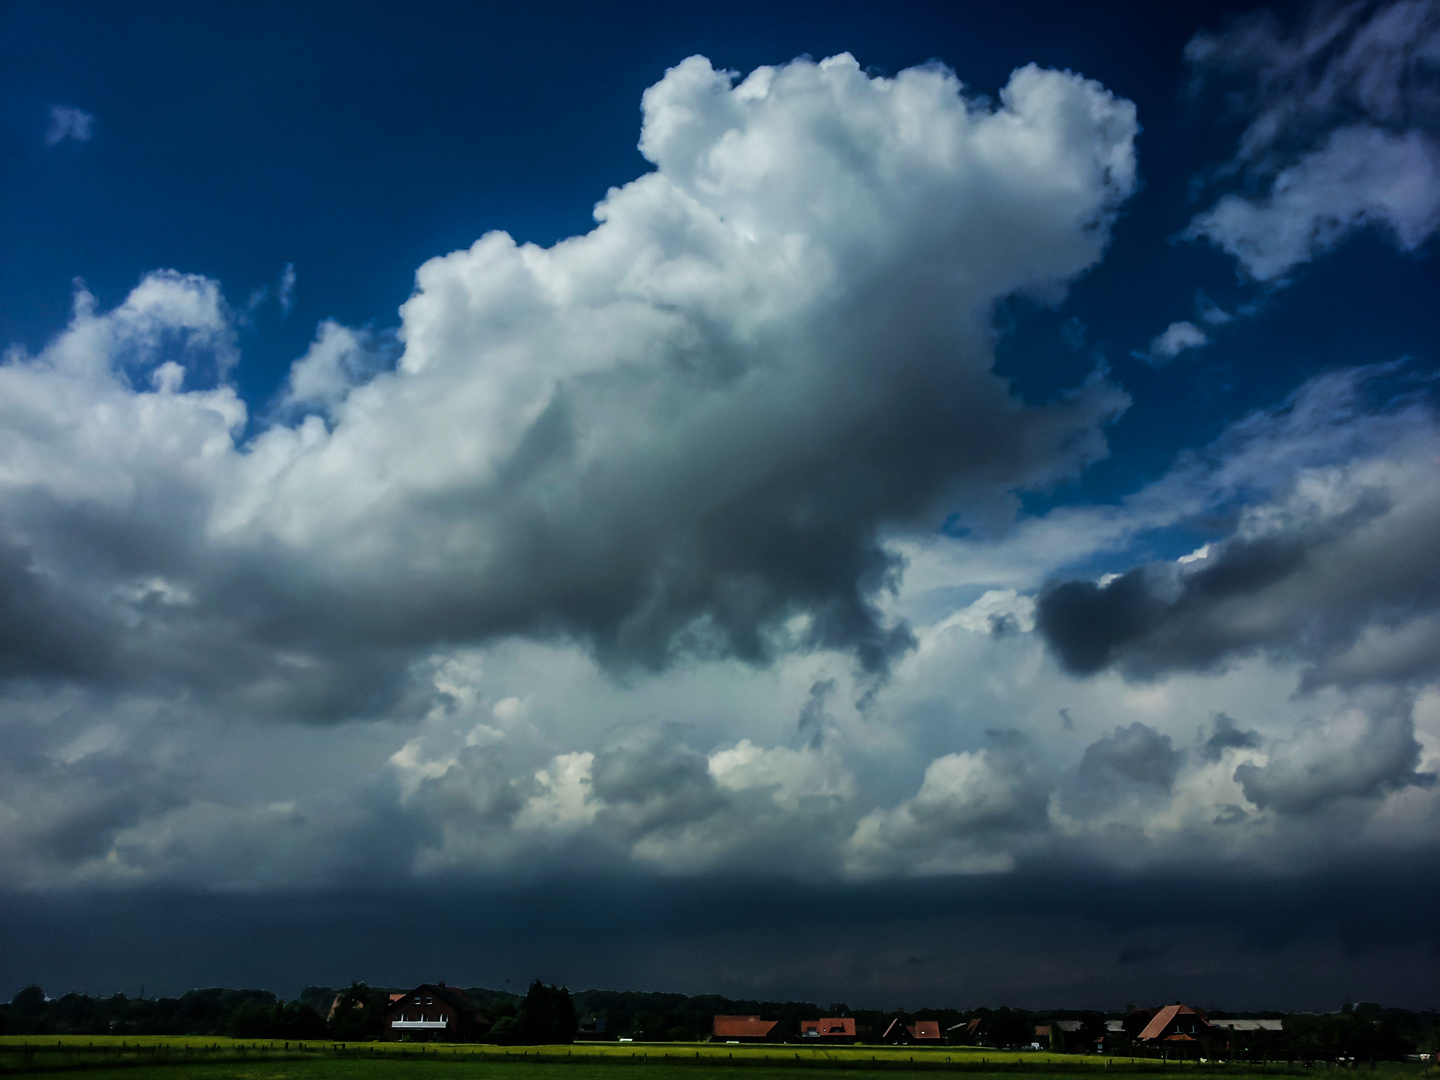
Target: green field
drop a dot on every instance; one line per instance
(197, 1058)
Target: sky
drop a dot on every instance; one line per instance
(890, 504)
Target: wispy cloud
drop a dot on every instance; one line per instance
(1343, 131)
(67, 123)
(285, 291)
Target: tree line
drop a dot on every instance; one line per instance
(548, 1014)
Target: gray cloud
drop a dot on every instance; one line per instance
(1338, 560)
(1138, 754)
(811, 725)
(1359, 754)
(1227, 735)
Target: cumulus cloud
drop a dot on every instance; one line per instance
(1357, 753)
(974, 811)
(714, 435)
(681, 434)
(339, 359)
(68, 124)
(1343, 132)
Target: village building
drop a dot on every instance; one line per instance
(433, 1012)
(1178, 1029)
(920, 1033)
(593, 1029)
(967, 1032)
(750, 1029)
(829, 1029)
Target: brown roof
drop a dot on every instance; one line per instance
(739, 1027)
(924, 1029)
(1162, 1019)
(454, 997)
(829, 1025)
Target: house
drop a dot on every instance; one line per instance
(1179, 1028)
(830, 1029)
(749, 1029)
(433, 1012)
(920, 1033)
(1070, 1036)
(967, 1032)
(593, 1030)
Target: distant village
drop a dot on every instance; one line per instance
(549, 1014)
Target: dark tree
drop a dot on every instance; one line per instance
(547, 1015)
(29, 1002)
(359, 1013)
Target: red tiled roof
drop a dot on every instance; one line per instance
(1162, 1019)
(829, 1025)
(925, 1029)
(739, 1027)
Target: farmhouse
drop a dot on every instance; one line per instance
(920, 1033)
(967, 1032)
(1178, 1027)
(433, 1012)
(830, 1029)
(749, 1029)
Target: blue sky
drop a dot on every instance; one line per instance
(957, 450)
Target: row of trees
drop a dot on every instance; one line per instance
(546, 1014)
(551, 1014)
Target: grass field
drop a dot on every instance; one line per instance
(195, 1058)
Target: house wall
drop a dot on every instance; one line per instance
(424, 1008)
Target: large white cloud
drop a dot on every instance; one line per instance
(680, 433)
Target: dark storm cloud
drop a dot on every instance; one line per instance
(43, 633)
(1298, 943)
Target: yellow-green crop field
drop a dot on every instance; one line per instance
(197, 1058)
